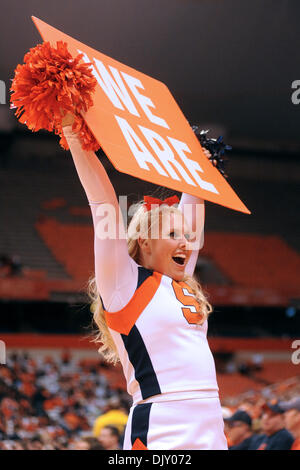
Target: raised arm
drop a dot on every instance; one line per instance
(116, 272)
(194, 212)
(193, 209)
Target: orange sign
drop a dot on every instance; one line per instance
(142, 130)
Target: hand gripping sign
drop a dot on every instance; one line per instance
(142, 130)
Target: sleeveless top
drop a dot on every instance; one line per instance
(162, 349)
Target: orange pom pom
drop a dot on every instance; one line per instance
(50, 80)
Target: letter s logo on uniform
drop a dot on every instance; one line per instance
(191, 309)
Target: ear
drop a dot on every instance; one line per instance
(144, 244)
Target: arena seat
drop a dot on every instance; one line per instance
(71, 245)
(231, 385)
(278, 370)
(234, 384)
(254, 260)
(257, 268)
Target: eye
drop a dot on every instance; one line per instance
(176, 235)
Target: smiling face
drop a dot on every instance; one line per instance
(169, 251)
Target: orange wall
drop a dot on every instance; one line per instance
(24, 340)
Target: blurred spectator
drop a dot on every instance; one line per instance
(16, 265)
(257, 362)
(292, 419)
(275, 436)
(226, 412)
(230, 367)
(109, 438)
(224, 360)
(10, 266)
(240, 433)
(86, 443)
(54, 402)
(4, 265)
(66, 357)
(113, 415)
(35, 444)
(94, 443)
(18, 446)
(81, 444)
(51, 403)
(244, 368)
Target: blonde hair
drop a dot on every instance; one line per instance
(142, 223)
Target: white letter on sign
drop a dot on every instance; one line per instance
(166, 155)
(144, 101)
(193, 166)
(110, 87)
(142, 156)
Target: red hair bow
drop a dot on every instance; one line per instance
(149, 201)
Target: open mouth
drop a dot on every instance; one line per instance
(179, 260)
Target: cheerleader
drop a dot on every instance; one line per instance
(151, 313)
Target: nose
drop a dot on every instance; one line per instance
(183, 243)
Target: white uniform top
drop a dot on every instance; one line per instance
(161, 348)
(161, 352)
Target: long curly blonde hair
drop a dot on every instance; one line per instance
(141, 224)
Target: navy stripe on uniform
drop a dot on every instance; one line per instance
(102, 303)
(140, 423)
(140, 359)
(143, 274)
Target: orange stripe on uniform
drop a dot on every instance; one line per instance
(123, 320)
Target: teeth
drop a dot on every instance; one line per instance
(180, 256)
